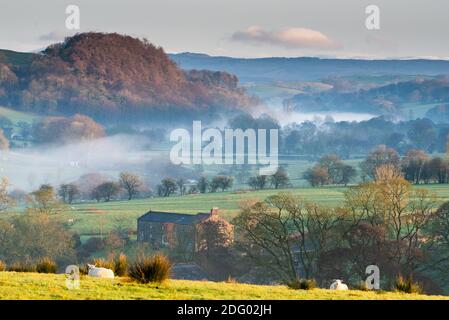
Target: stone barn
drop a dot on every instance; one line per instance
(170, 229)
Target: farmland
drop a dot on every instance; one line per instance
(17, 116)
(97, 218)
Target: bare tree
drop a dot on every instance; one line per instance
(68, 192)
(44, 201)
(397, 213)
(5, 200)
(287, 235)
(131, 183)
(106, 191)
(180, 182)
(221, 182)
(258, 182)
(203, 184)
(167, 187)
(381, 155)
(4, 143)
(317, 175)
(413, 165)
(279, 179)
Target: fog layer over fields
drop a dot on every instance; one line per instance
(28, 168)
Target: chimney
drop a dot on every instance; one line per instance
(214, 211)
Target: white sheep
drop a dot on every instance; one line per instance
(100, 272)
(338, 285)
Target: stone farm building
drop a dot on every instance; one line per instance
(170, 229)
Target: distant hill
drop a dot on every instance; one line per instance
(17, 58)
(439, 113)
(111, 76)
(265, 70)
(387, 99)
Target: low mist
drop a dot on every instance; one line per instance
(29, 168)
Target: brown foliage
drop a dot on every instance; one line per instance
(156, 268)
(215, 234)
(5, 199)
(109, 75)
(65, 130)
(4, 143)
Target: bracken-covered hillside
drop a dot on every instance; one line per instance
(111, 75)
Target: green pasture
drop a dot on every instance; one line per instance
(99, 218)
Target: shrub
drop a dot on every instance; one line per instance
(114, 241)
(231, 279)
(302, 284)
(22, 267)
(84, 269)
(150, 269)
(2, 266)
(46, 265)
(120, 265)
(407, 285)
(102, 263)
(93, 244)
(362, 286)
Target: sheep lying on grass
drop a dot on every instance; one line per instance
(100, 272)
(338, 285)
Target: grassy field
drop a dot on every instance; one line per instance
(416, 109)
(17, 58)
(17, 116)
(98, 218)
(94, 218)
(50, 286)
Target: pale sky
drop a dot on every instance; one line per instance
(242, 28)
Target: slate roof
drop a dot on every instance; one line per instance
(172, 217)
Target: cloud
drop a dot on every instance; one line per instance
(20, 46)
(54, 36)
(292, 38)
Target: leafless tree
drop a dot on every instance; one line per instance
(131, 183)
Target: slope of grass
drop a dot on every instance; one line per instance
(49, 286)
(17, 116)
(94, 218)
(17, 58)
(416, 110)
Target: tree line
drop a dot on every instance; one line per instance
(416, 166)
(169, 186)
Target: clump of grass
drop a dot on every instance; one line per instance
(231, 279)
(120, 263)
(302, 284)
(407, 285)
(156, 268)
(46, 265)
(362, 286)
(103, 263)
(2, 266)
(19, 266)
(84, 269)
